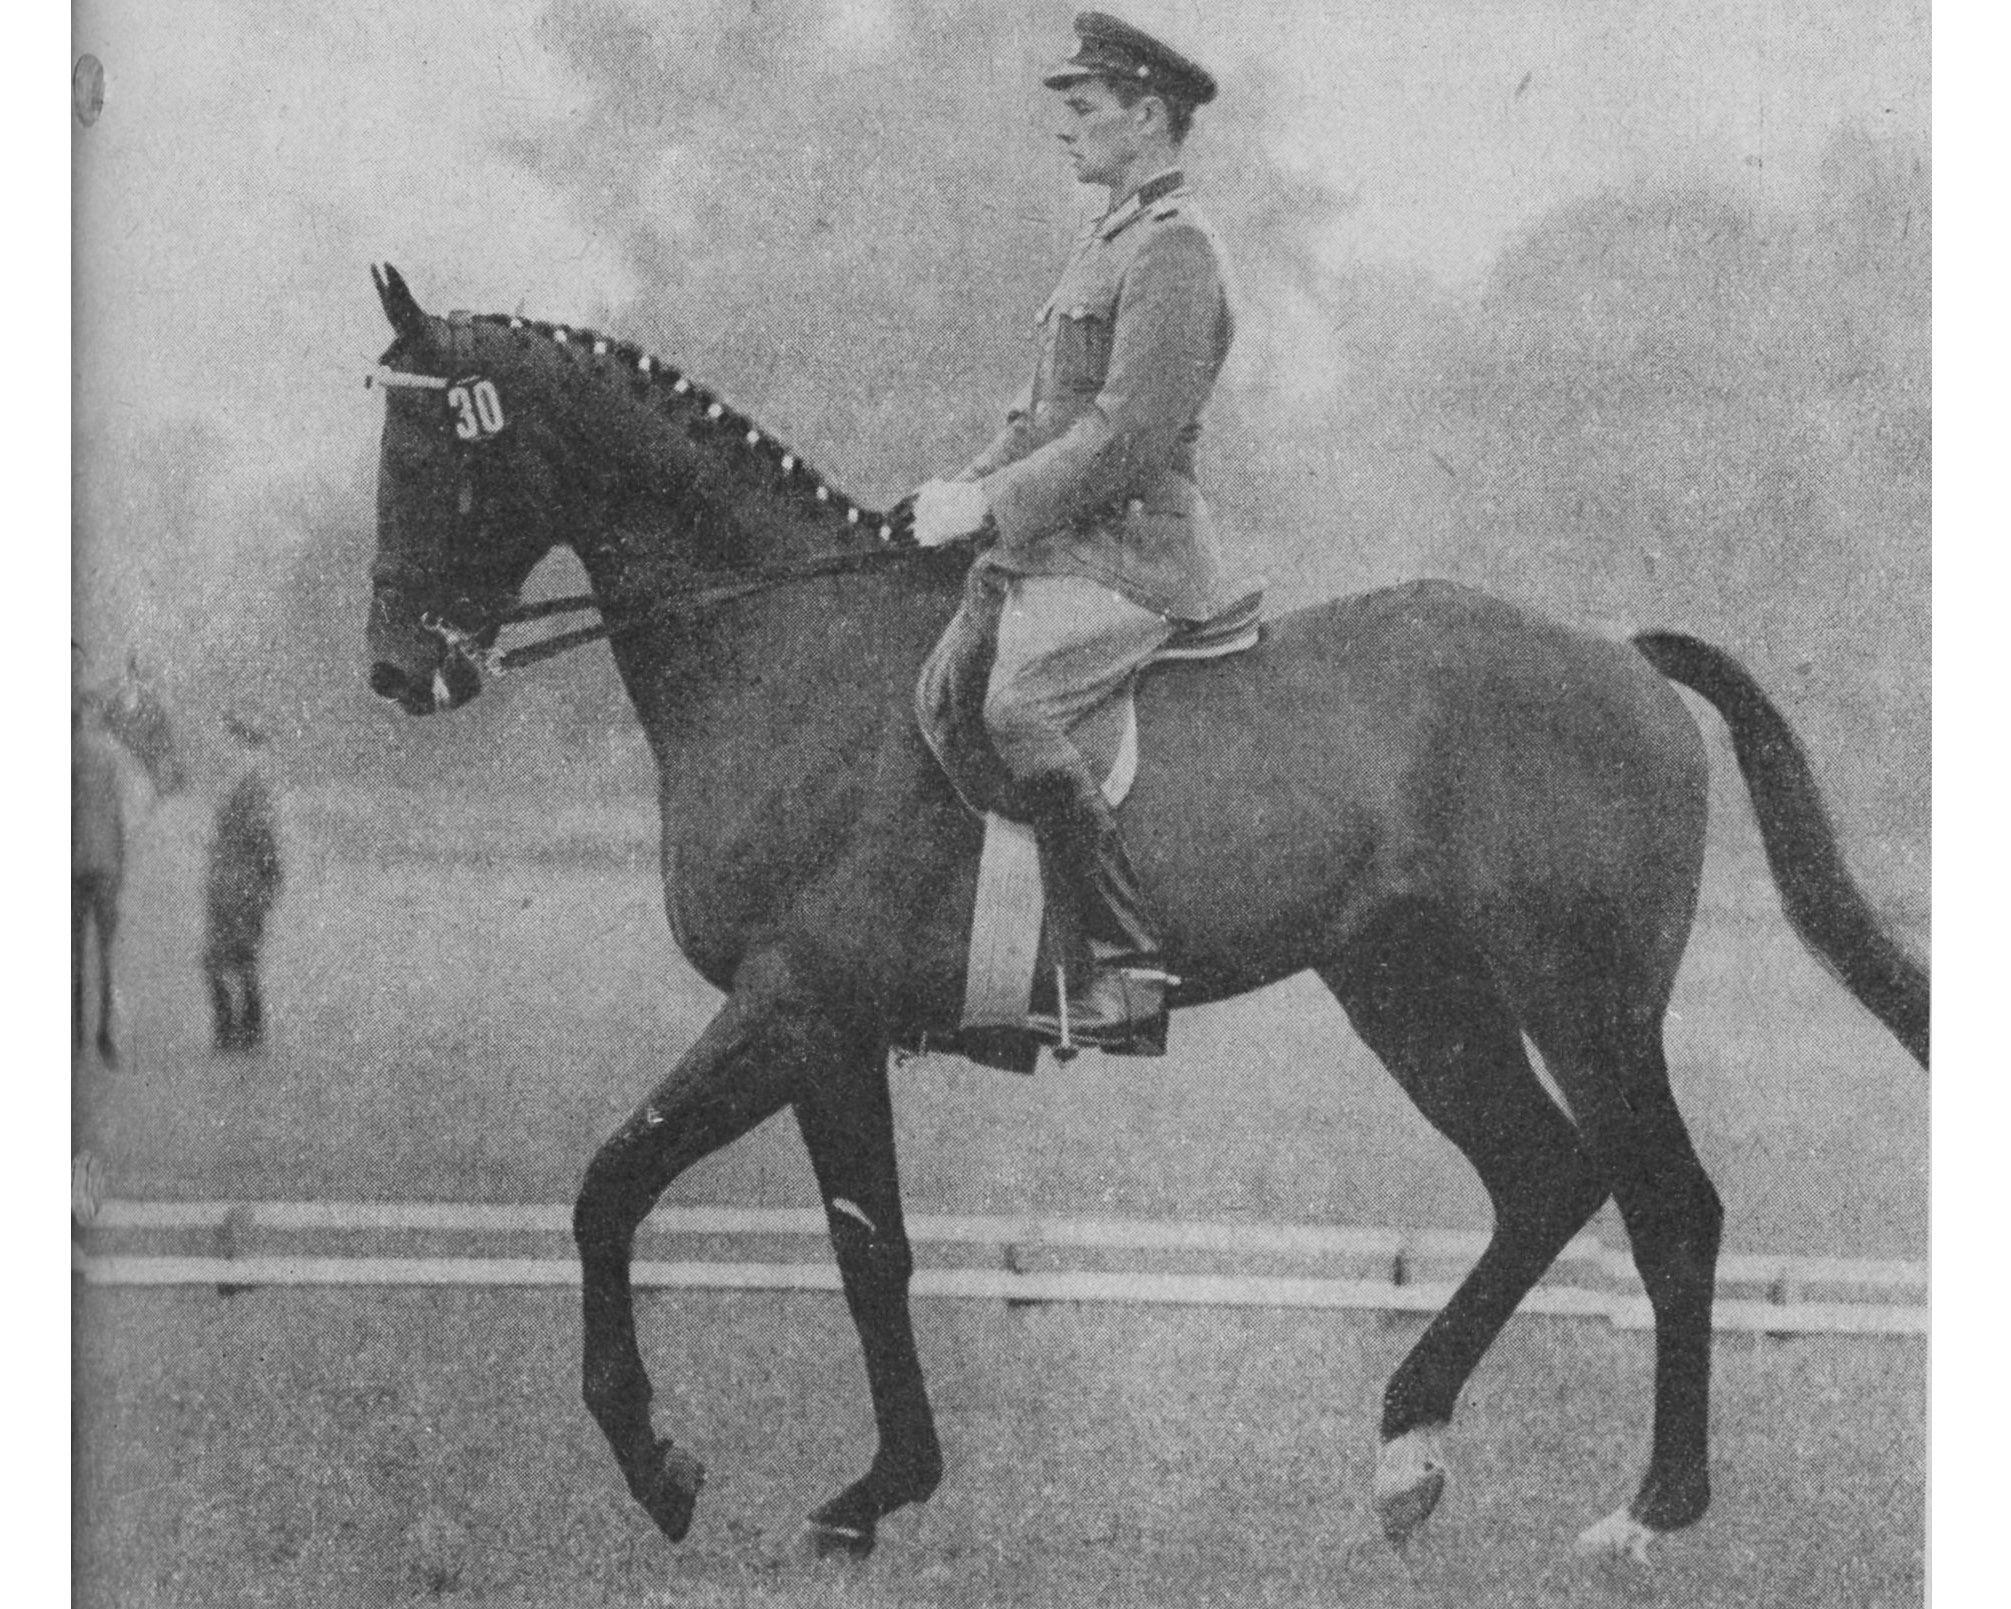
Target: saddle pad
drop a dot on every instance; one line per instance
(1005, 928)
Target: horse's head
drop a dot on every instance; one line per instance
(467, 499)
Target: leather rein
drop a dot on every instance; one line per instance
(847, 561)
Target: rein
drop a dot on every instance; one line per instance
(842, 562)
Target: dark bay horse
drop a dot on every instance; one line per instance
(1470, 822)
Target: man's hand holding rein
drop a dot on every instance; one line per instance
(949, 511)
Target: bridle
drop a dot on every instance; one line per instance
(895, 532)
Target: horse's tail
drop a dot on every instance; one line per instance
(1823, 904)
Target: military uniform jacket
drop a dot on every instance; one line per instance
(1093, 474)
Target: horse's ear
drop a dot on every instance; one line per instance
(405, 314)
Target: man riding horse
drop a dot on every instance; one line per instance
(1099, 544)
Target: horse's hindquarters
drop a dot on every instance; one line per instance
(1428, 746)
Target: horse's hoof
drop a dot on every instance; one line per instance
(669, 1492)
(848, 1525)
(1618, 1536)
(848, 1540)
(1410, 1479)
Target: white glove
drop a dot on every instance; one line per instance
(948, 509)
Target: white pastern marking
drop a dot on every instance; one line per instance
(443, 697)
(851, 1209)
(1410, 1461)
(1618, 1536)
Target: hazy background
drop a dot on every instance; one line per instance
(1620, 310)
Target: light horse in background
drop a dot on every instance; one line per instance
(130, 717)
(1471, 822)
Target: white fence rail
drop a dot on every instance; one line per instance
(1796, 1295)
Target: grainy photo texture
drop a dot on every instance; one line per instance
(1284, 646)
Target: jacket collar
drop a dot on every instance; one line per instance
(1157, 188)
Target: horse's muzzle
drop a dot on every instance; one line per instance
(454, 682)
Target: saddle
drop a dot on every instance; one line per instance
(1003, 980)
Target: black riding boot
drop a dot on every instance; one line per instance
(1116, 979)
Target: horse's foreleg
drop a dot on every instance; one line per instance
(748, 1064)
(848, 1127)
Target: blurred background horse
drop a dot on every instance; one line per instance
(107, 725)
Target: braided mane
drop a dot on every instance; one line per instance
(682, 402)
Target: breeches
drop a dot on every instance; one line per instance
(1066, 644)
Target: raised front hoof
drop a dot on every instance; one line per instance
(668, 1489)
(1410, 1480)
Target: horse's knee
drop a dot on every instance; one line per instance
(866, 1252)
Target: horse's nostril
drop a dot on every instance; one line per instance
(387, 680)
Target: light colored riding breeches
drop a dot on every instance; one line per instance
(1065, 645)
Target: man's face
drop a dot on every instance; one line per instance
(1101, 137)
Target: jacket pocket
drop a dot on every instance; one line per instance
(1082, 337)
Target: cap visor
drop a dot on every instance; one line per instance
(1069, 72)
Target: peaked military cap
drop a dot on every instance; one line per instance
(1107, 47)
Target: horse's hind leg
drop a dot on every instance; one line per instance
(768, 1043)
(1422, 1000)
(848, 1127)
(1618, 1084)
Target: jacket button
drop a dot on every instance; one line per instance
(1136, 505)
